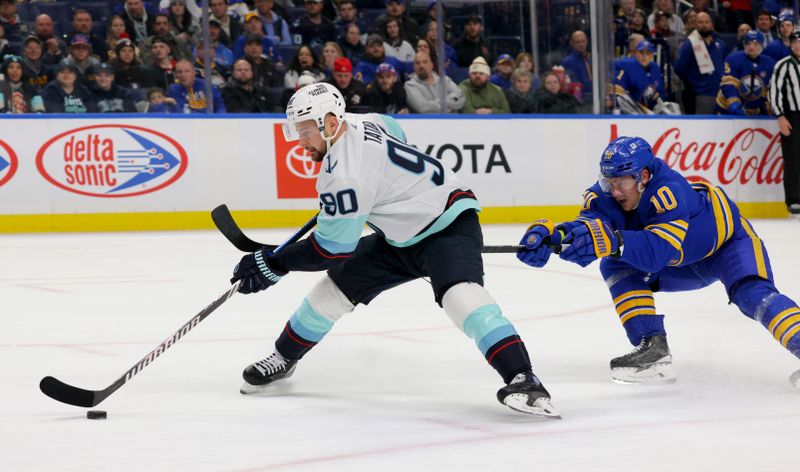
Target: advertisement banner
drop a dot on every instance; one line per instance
(130, 171)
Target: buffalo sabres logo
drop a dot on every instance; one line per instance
(751, 89)
(532, 240)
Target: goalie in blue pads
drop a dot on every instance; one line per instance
(655, 231)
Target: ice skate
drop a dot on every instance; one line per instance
(259, 375)
(794, 211)
(649, 363)
(795, 379)
(526, 394)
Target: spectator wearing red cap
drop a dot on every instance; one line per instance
(80, 56)
(386, 94)
(353, 90)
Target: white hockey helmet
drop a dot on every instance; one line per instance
(313, 102)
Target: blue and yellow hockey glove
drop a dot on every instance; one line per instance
(593, 240)
(536, 241)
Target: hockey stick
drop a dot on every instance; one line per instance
(227, 226)
(65, 393)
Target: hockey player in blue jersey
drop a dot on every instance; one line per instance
(745, 82)
(638, 85)
(779, 48)
(654, 231)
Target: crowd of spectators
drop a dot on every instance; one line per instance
(135, 56)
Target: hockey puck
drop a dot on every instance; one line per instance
(96, 414)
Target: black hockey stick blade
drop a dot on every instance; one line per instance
(65, 393)
(501, 249)
(227, 226)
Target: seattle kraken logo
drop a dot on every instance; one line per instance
(329, 168)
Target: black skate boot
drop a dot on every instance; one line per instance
(262, 373)
(649, 363)
(526, 394)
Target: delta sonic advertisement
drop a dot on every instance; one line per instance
(111, 161)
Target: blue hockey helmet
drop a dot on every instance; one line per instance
(786, 16)
(753, 35)
(625, 156)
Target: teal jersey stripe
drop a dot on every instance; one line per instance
(487, 325)
(442, 222)
(309, 324)
(339, 235)
(494, 337)
(393, 128)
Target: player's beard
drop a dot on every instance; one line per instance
(316, 154)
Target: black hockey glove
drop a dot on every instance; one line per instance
(255, 272)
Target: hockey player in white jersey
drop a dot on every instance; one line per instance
(425, 225)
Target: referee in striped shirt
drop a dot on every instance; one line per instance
(784, 96)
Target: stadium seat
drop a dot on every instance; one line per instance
(99, 9)
(24, 12)
(297, 13)
(370, 15)
(505, 45)
(60, 12)
(287, 52)
(457, 74)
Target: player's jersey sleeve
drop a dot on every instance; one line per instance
(665, 217)
(729, 87)
(596, 204)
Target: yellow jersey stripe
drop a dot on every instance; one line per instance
(633, 293)
(790, 334)
(781, 316)
(634, 313)
(641, 302)
(679, 233)
(758, 250)
(730, 80)
(780, 330)
(667, 236)
(726, 210)
(682, 224)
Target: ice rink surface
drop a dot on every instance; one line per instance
(395, 386)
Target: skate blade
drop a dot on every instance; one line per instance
(658, 374)
(795, 379)
(542, 407)
(247, 389)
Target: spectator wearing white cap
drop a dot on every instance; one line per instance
(386, 94)
(480, 95)
(502, 71)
